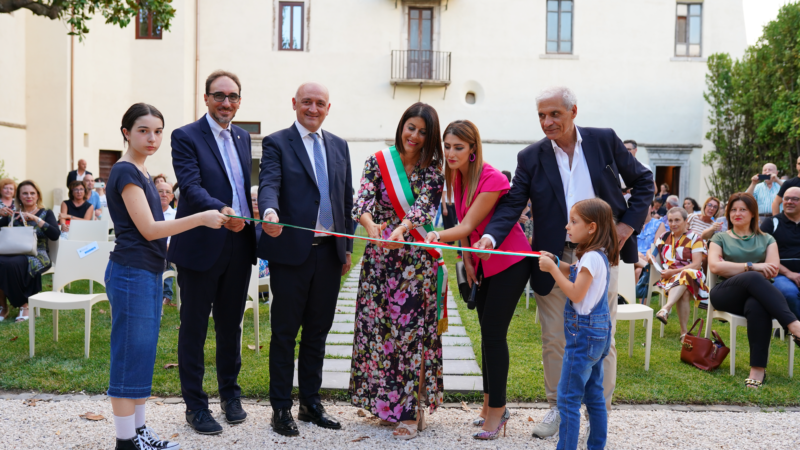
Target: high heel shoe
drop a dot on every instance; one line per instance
(478, 422)
(491, 435)
(421, 423)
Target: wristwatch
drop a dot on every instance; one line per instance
(749, 267)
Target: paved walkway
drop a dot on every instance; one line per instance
(461, 372)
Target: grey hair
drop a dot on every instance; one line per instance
(674, 200)
(254, 190)
(680, 210)
(567, 96)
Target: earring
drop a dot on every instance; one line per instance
(472, 157)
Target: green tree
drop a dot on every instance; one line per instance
(78, 12)
(754, 106)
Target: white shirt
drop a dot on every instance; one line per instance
(79, 176)
(216, 131)
(308, 143)
(169, 214)
(593, 262)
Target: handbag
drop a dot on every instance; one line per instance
(705, 354)
(468, 294)
(19, 240)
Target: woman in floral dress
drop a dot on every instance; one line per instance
(397, 354)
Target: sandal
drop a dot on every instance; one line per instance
(662, 318)
(21, 317)
(755, 384)
(411, 431)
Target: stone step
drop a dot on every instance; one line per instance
(456, 331)
(458, 384)
(453, 320)
(453, 340)
(345, 310)
(344, 318)
(459, 367)
(344, 350)
(348, 295)
(349, 290)
(332, 365)
(346, 303)
(342, 328)
(350, 284)
(333, 380)
(341, 339)
(452, 352)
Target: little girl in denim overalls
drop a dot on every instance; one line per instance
(587, 331)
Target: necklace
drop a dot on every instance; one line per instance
(744, 238)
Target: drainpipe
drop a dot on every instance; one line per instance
(72, 101)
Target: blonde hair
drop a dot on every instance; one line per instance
(467, 132)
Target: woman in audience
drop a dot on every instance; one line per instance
(477, 187)
(76, 207)
(7, 190)
(681, 254)
(690, 205)
(133, 276)
(746, 260)
(705, 223)
(21, 275)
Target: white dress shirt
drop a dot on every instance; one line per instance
(575, 179)
(169, 214)
(308, 143)
(216, 131)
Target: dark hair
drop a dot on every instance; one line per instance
(35, 187)
(658, 200)
(632, 142)
(507, 174)
(222, 73)
(597, 211)
(665, 184)
(752, 206)
(432, 147)
(134, 112)
(75, 184)
(695, 206)
(161, 175)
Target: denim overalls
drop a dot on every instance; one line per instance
(588, 339)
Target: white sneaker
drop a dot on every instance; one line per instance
(549, 425)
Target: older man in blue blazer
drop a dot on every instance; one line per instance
(212, 161)
(570, 164)
(305, 180)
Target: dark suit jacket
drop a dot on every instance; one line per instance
(537, 177)
(287, 184)
(204, 185)
(73, 175)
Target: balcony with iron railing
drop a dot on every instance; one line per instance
(420, 68)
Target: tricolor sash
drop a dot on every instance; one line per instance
(402, 197)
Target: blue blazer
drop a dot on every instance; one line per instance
(537, 178)
(287, 184)
(204, 185)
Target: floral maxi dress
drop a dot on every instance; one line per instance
(395, 329)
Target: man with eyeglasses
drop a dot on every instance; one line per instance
(785, 228)
(212, 162)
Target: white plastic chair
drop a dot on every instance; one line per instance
(252, 293)
(634, 311)
(735, 322)
(173, 273)
(52, 251)
(88, 230)
(72, 268)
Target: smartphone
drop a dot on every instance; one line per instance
(764, 177)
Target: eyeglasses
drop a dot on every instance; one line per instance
(791, 199)
(161, 191)
(220, 97)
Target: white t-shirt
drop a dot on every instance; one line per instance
(593, 262)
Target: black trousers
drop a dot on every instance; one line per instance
(497, 300)
(223, 290)
(304, 295)
(450, 220)
(751, 295)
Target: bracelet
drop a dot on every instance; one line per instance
(408, 230)
(438, 238)
(558, 261)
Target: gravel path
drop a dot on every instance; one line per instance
(50, 425)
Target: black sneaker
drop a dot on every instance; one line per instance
(151, 438)
(233, 410)
(135, 443)
(202, 422)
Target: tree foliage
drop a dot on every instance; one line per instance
(77, 13)
(754, 106)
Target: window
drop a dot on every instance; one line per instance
(145, 28)
(559, 26)
(688, 29)
(291, 26)
(250, 127)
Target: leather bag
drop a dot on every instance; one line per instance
(705, 354)
(18, 240)
(461, 279)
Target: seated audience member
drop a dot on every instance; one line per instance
(93, 197)
(671, 202)
(765, 191)
(160, 178)
(263, 266)
(691, 206)
(745, 259)
(165, 195)
(681, 253)
(7, 191)
(100, 188)
(76, 207)
(646, 238)
(785, 229)
(78, 174)
(658, 206)
(21, 275)
(705, 223)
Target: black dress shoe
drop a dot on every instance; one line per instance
(316, 414)
(283, 423)
(233, 410)
(203, 422)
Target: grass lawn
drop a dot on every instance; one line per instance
(60, 366)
